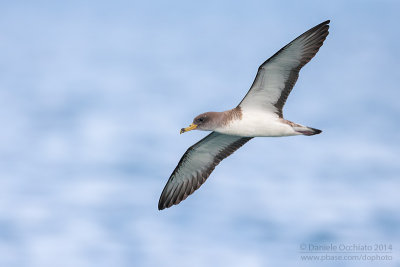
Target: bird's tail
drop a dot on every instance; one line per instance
(304, 130)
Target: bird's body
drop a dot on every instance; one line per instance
(254, 123)
(259, 114)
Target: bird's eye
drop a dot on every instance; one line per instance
(201, 120)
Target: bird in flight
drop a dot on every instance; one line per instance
(259, 114)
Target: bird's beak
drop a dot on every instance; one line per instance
(191, 127)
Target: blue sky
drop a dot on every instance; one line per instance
(92, 97)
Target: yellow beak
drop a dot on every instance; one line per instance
(191, 127)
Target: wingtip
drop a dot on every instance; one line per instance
(161, 204)
(325, 22)
(164, 203)
(322, 24)
(161, 207)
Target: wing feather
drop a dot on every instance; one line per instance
(196, 166)
(277, 76)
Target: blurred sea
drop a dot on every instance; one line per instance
(92, 97)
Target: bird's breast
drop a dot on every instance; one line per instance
(253, 124)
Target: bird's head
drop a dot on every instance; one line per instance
(206, 122)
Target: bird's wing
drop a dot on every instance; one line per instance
(276, 76)
(196, 165)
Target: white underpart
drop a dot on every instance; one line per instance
(257, 123)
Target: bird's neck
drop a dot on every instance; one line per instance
(232, 114)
